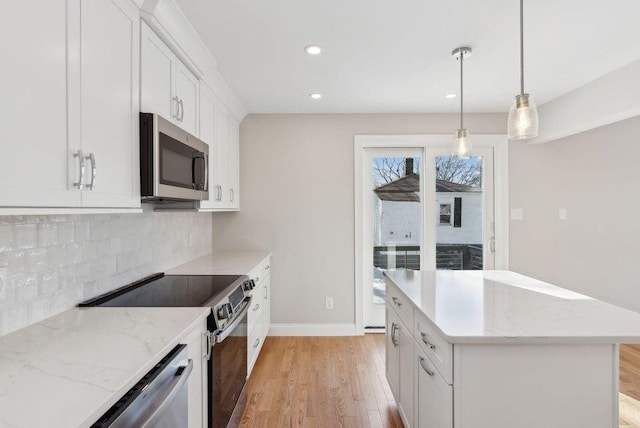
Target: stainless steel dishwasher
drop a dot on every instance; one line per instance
(158, 400)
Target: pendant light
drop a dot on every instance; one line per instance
(523, 116)
(461, 143)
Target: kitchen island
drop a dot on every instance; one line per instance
(476, 349)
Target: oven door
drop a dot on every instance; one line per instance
(228, 371)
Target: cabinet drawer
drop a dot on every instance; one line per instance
(254, 344)
(257, 306)
(434, 397)
(399, 302)
(439, 351)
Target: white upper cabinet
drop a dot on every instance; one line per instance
(168, 88)
(156, 76)
(70, 124)
(109, 91)
(187, 91)
(36, 162)
(220, 129)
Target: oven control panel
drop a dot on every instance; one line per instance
(229, 307)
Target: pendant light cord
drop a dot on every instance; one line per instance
(521, 48)
(461, 91)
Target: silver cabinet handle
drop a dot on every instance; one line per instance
(396, 301)
(219, 192)
(256, 307)
(267, 267)
(266, 293)
(175, 115)
(426, 341)
(256, 279)
(181, 109)
(92, 159)
(423, 364)
(394, 328)
(256, 343)
(80, 183)
(232, 194)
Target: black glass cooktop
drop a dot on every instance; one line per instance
(169, 290)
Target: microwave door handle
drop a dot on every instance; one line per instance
(223, 334)
(206, 172)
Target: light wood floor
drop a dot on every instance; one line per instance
(320, 382)
(340, 382)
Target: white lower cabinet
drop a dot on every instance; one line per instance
(197, 387)
(259, 316)
(433, 396)
(399, 364)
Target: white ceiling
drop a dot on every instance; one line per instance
(393, 56)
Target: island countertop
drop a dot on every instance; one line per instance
(67, 370)
(506, 307)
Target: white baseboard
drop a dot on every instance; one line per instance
(313, 330)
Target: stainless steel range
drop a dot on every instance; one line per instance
(229, 297)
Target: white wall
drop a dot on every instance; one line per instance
(297, 177)
(596, 177)
(398, 222)
(55, 262)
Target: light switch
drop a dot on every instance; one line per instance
(562, 213)
(516, 214)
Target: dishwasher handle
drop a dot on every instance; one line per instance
(172, 390)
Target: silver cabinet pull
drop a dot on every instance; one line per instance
(256, 307)
(256, 279)
(426, 341)
(266, 293)
(181, 104)
(219, 197)
(80, 183)
(175, 115)
(423, 364)
(267, 267)
(396, 301)
(92, 159)
(394, 328)
(256, 343)
(232, 194)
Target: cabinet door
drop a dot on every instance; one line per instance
(37, 167)
(434, 397)
(207, 124)
(220, 156)
(266, 301)
(187, 89)
(156, 75)
(392, 354)
(109, 92)
(233, 173)
(406, 393)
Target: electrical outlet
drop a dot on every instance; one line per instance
(516, 214)
(328, 302)
(562, 213)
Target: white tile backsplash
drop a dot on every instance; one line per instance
(55, 262)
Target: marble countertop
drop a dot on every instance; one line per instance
(66, 371)
(222, 263)
(506, 307)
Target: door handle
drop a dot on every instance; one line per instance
(426, 341)
(232, 194)
(181, 109)
(80, 183)
(256, 307)
(176, 114)
(396, 301)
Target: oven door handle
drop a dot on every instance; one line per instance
(223, 334)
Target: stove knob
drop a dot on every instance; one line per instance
(222, 312)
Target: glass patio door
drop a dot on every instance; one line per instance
(393, 205)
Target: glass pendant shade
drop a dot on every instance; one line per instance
(523, 118)
(461, 143)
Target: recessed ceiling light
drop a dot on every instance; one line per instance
(313, 49)
(315, 96)
(449, 96)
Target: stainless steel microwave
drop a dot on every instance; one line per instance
(174, 165)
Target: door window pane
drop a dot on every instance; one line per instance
(459, 199)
